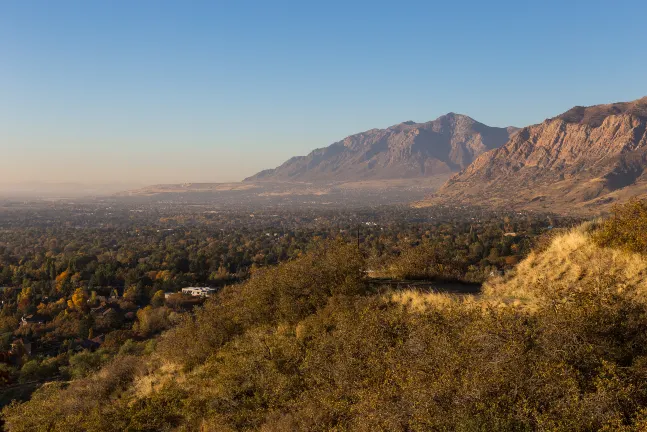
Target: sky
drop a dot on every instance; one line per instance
(144, 92)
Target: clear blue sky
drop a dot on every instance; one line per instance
(153, 91)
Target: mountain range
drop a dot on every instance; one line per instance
(580, 161)
(587, 157)
(407, 150)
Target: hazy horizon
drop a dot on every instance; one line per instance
(161, 92)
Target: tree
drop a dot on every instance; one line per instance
(79, 300)
(158, 299)
(25, 299)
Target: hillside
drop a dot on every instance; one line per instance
(581, 160)
(406, 150)
(557, 344)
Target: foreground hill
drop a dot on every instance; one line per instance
(406, 150)
(309, 346)
(585, 158)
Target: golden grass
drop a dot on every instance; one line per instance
(570, 260)
(157, 378)
(421, 301)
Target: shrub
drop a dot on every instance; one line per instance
(85, 362)
(286, 293)
(152, 320)
(426, 261)
(626, 228)
(34, 370)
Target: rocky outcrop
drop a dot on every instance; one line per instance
(584, 157)
(406, 150)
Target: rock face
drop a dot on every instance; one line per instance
(407, 150)
(586, 157)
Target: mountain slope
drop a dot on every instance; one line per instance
(586, 157)
(406, 150)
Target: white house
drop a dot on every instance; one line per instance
(198, 291)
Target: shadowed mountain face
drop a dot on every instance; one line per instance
(584, 158)
(407, 150)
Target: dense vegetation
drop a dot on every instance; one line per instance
(626, 228)
(78, 281)
(558, 343)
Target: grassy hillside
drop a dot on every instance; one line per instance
(558, 344)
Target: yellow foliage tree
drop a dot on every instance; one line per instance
(79, 299)
(62, 279)
(24, 298)
(164, 275)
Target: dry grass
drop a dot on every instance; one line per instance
(157, 378)
(422, 301)
(569, 262)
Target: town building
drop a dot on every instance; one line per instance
(198, 291)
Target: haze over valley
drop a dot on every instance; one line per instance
(581, 161)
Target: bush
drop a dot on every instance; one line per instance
(286, 293)
(152, 320)
(626, 228)
(426, 261)
(85, 362)
(87, 404)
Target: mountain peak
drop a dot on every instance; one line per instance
(454, 116)
(406, 150)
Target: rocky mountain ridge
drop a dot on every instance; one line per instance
(586, 157)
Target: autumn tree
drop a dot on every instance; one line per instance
(79, 300)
